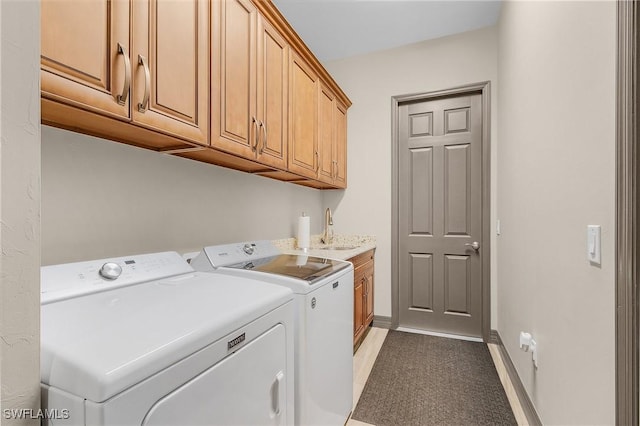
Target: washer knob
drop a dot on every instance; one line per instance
(110, 270)
(248, 248)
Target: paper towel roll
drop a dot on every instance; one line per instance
(304, 231)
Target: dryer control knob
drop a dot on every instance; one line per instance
(110, 270)
(248, 248)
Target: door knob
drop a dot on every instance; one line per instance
(474, 245)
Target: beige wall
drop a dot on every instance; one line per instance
(556, 67)
(19, 209)
(101, 199)
(556, 176)
(370, 81)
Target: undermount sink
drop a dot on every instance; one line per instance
(339, 247)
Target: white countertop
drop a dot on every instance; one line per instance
(360, 244)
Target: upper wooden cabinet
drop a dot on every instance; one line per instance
(303, 116)
(332, 138)
(249, 96)
(170, 57)
(233, 66)
(85, 55)
(221, 81)
(273, 95)
(340, 147)
(326, 133)
(141, 61)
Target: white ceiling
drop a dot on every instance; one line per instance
(335, 29)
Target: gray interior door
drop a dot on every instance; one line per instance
(440, 215)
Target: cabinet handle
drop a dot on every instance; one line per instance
(264, 141)
(335, 168)
(142, 106)
(122, 97)
(254, 147)
(317, 161)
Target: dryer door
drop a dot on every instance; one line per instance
(245, 388)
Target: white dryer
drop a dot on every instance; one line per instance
(145, 340)
(323, 291)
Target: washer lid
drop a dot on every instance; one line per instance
(308, 268)
(98, 345)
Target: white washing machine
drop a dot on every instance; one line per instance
(145, 340)
(324, 321)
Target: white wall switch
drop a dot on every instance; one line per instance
(593, 244)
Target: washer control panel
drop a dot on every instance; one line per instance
(213, 257)
(59, 282)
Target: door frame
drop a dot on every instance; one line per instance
(627, 215)
(484, 89)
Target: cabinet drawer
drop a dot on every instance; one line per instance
(362, 258)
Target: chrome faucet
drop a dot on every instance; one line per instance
(327, 235)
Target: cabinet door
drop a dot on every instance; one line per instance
(273, 95)
(326, 135)
(233, 63)
(85, 54)
(368, 293)
(171, 67)
(303, 115)
(358, 318)
(340, 147)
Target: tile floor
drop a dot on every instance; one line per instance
(365, 357)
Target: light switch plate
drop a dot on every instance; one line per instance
(593, 244)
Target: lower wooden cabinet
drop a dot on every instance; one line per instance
(363, 277)
(368, 293)
(358, 318)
